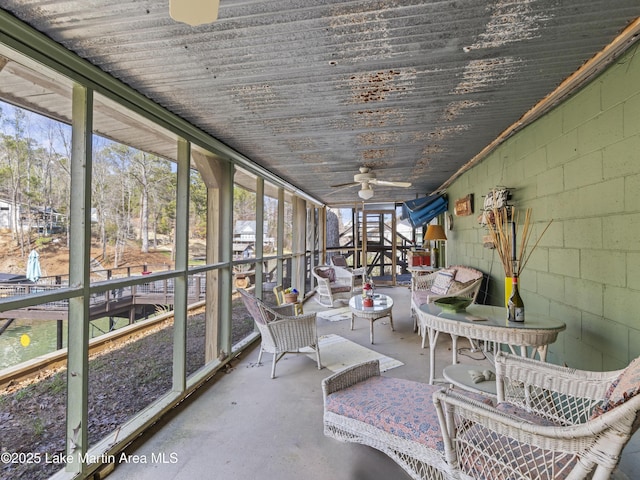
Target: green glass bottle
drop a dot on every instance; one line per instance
(515, 305)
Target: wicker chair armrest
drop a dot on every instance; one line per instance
(358, 272)
(350, 376)
(424, 282)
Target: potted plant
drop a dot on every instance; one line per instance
(291, 295)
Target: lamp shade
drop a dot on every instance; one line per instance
(435, 232)
(194, 12)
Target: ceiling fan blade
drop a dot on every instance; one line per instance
(390, 184)
(344, 186)
(341, 185)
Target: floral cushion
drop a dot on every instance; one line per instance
(621, 389)
(400, 407)
(443, 281)
(521, 413)
(467, 275)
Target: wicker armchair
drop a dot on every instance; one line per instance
(334, 284)
(282, 332)
(550, 422)
(340, 262)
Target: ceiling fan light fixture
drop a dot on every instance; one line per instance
(194, 12)
(366, 192)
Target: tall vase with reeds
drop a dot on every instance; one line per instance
(514, 256)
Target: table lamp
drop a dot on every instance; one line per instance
(435, 233)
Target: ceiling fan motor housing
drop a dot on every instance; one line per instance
(364, 176)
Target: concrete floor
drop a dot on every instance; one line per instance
(246, 425)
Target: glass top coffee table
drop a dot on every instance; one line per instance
(382, 306)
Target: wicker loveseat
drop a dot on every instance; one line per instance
(550, 422)
(457, 280)
(334, 284)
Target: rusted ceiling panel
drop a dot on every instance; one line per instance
(314, 89)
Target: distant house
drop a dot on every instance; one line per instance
(47, 220)
(6, 219)
(244, 238)
(44, 220)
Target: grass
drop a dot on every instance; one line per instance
(122, 382)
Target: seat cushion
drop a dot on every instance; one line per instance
(399, 407)
(443, 281)
(484, 454)
(340, 288)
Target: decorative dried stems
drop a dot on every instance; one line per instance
(502, 228)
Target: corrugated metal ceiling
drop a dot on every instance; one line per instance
(314, 89)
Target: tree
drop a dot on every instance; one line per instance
(141, 166)
(15, 158)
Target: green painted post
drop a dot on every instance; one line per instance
(182, 257)
(80, 241)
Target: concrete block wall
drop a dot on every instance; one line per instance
(579, 165)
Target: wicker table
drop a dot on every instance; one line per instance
(382, 305)
(488, 323)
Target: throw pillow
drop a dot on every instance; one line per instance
(442, 282)
(622, 389)
(327, 273)
(466, 275)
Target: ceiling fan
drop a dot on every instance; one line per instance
(194, 12)
(366, 178)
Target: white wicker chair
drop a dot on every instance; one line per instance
(550, 422)
(333, 285)
(282, 332)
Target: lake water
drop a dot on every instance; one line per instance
(41, 338)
